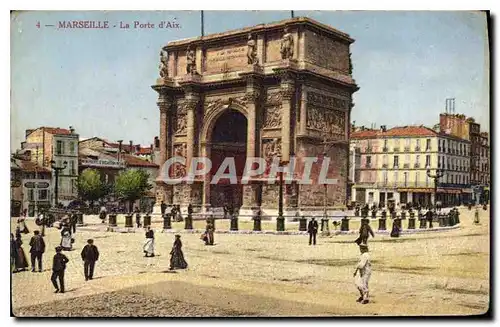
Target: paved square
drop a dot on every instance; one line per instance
(433, 273)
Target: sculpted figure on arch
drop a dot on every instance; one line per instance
(190, 61)
(252, 50)
(286, 49)
(163, 64)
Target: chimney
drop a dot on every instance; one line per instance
(137, 148)
(119, 149)
(157, 142)
(28, 132)
(383, 128)
(71, 130)
(130, 147)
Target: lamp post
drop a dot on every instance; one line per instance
(56, 171)
(439, 173)
(280, 220)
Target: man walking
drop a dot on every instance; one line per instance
(73, 220)
(58, 267)
(364, 232)
(90, 255)
(365, 270)
(312, 229)
(37, 245)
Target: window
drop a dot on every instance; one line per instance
(59, 147)
(385, 145)
(396, 161)
(417, 160)
(407, 142)
(407, 160)
(370, 197)
(31, 194)
(71, 147)
(417, 148)
(439, 162)
(43, 195)
(384, 160)
(427, 161)
(428, 144)
(368, 163)
(384, 176)
(417, 177)
(72, 170)
(406, 177)
(396, 145)
(396, 177)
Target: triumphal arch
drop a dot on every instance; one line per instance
(281, 89)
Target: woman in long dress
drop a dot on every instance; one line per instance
(20, 260)
(22, 225)
(149, 245)
(66, 243)
(177, 257)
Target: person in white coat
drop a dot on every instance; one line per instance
(365, 271)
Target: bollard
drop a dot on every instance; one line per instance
(280, 224)
(112, 220)
(147, 220)
(403, 215)
(411, 222)
(167, 221)
(326, 230)
(382, 223)
(188, 222)
(234, 223)
(344, 225)
(79, 217)
(302, 224)
(423, 221)
(441, 220)
(257, 224)
(374, 214)
(128, 221)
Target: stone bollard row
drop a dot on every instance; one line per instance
(167, 221)
(234, 223)
(128, 221)
(112, 220)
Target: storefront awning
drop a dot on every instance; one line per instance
(450, 190)
(416, 190)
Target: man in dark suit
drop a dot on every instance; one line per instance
(90, 255)
(163, 208)
(37, 245)
(312, 229)
(58, 267)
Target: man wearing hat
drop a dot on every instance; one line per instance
(58, 267)
(312, 229)
(365, 271)
(90, 255)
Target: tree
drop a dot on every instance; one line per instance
(91, 187)
(131, 185)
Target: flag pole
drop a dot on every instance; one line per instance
(202, 24)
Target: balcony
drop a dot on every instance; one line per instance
(410, 184)
(406, 165)
(369, 150)
(384, 165)
(396, 166)
(368, 165)
(417, 148)
(407, 149)
(385, 149)
(417, 165)
(396, 149)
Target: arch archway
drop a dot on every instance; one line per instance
(226, 133)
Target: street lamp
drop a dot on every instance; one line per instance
(439, 173)
(56, 171)
(280, 220)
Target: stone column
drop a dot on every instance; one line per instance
(191, 103)
(287, 93)
(164, 104)
(253, 95)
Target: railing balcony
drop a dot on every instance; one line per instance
(396, 149)
(368, 165)
(406, 165)
(369, 150)
(417, 148)
(417, 165)
(407, 149)
(395, 166)
(385, 149)
(384, 165)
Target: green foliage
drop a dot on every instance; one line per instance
(132, 184)
(90, 185)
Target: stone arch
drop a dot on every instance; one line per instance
(212, 117)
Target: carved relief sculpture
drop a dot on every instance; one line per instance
(252, 50)
(272, 117)
(163, 65)
(179, 170)
(191, 61)
(286, 48)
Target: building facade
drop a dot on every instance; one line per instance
(271, 90)
(395, 164)
(50, 146)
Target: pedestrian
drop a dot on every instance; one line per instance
(429, 215)
(209, 232)
(20, 261)
(138, 217)
(365, 231)
(58, 267)
(312, 229)
(102, 214)
(365, 270)
(73, 221)
(395, 227)
(66, 239)
(177, 257)
(22, 225)
(149, 245)
(476, 216)
(37, 249)
(178, 214)
(90, 254)
(163, 208)
(13, 253)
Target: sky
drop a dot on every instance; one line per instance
(99, 81)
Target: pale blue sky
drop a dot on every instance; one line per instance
(98, 81)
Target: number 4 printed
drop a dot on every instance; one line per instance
(38, 24)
